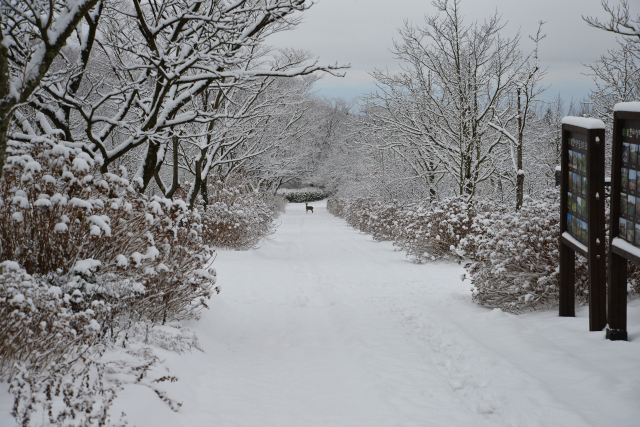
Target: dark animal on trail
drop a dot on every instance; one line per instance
(309, 208)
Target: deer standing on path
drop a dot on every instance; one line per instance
(309, 208)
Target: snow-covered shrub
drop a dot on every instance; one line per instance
(276, 202)
(303, 195)
(39, 324)
(438, 230)
(516, 265)
(337, 206)
(514, 258)
(88, 240)
(236, 216)
(427, 231)
(633, 278)
(372, 217)
(66, 395)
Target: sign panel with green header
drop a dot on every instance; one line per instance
(625, 212)
(582, 226)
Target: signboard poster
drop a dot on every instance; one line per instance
(629, 220)
(625, 213)
(582, 226)
(577, 212)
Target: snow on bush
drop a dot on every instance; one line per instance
(516, 263)
(236, 216)
(68, 395)
(40, 324)
(75, 240)
(427, 231)
(439, 230)
(513, 258)
(303, 195)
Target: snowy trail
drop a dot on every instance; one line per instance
(321, 326)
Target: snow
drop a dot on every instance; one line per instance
(21, 201)
(42, 203)
(81, 165)
(17, 299)
(205, 274)
(59, 199)
(61, 227)
(583, 122)
(102, 223)
(86, 266)
(79, 203)
(633, 107)
(152, 253)
(121, 261)
(33, 167)
(626, 246)
(570, 238)
(10, 265)
(322, 326)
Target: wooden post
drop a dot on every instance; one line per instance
(597, 269)
(567, 291)
(617, 296)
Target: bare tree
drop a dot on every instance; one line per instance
(451, 106)
(616, 74)
(33, 33)
(619, 22)
(520, 104)
(144, 67)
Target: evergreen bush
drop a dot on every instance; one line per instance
(303, 195)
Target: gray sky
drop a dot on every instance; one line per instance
(360, 32)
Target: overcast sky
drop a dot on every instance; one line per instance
(361, 32)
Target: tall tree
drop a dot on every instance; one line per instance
(144, 67)
(32, 35)
(460, 89)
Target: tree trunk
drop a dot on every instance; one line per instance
(203, 191)
(175, 183)
(151, 166)
(520, 171)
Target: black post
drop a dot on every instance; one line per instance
(596, 256)
(567, 292)
(617, 298)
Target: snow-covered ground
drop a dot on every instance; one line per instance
(321, 326)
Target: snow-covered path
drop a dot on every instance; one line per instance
(321, 326)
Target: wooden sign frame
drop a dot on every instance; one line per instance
(621, 250)
(590, 135)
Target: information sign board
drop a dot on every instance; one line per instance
(625, 212)
(582, 227)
